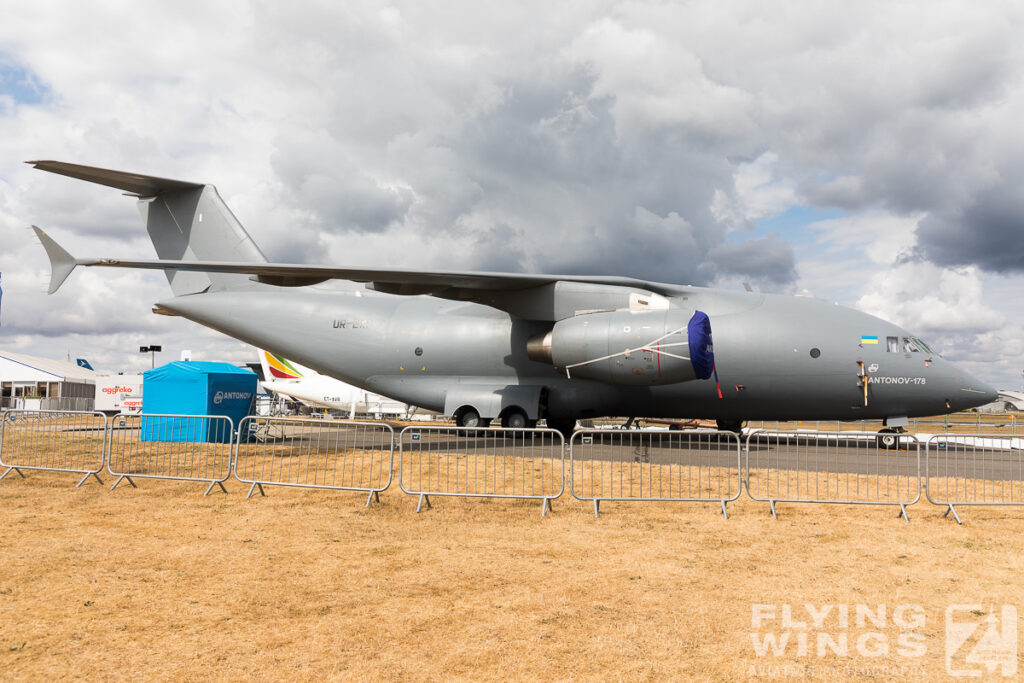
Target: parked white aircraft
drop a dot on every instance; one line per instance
(297, 382)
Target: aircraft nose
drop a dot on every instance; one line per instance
(989, 394)
(973, 392)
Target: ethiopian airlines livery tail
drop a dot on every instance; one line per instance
(278, 368)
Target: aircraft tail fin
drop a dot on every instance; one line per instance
(83, 363)
(186, 221)
(277, 367)
(61, 262)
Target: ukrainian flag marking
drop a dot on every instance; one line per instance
(868, 340)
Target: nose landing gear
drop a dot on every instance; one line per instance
(735, 426)
(888, 438)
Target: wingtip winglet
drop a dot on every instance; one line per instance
(61, 262)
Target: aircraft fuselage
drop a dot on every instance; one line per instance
(777, 357)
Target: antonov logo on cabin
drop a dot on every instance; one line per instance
(221, 396)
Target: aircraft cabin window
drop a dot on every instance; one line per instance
(892, 344)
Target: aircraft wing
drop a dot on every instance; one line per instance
(446, 284)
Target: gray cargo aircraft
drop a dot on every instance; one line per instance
(516, 348)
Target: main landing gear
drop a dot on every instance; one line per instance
(514, 418)
(468, 417)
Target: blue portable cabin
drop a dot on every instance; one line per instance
(195, 388)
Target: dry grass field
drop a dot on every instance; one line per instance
(162, 583)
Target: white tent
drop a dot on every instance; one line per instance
(36, 383)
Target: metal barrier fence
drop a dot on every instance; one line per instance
(837, 467)
(974, 470)
(319, 454)
(54, 441)
(954, 423)
(482, 463)
(697, 466)
(68, 404)
(626, 465)
(179, 447)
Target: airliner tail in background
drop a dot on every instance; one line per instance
(288, 378)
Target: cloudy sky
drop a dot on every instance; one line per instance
(867, 153)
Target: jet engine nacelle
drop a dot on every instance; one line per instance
(642, 348)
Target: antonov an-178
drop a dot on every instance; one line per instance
(516, 348)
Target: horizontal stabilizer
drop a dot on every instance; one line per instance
(61, 262)
(141, 185)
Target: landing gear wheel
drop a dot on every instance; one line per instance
(470, 418)
(888, 438)
(515, 419)
(563, 425)
(735, 426)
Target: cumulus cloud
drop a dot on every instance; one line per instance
(874, 236)
(926, 297)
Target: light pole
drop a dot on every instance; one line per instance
(151, 350)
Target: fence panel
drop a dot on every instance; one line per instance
(179, 447)
(55, 441)
(631, 465)
(849, 468)
(319, 454)
(961, 469)
(482, 463)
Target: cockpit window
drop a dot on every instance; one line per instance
(907, 345)
(921, 345)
